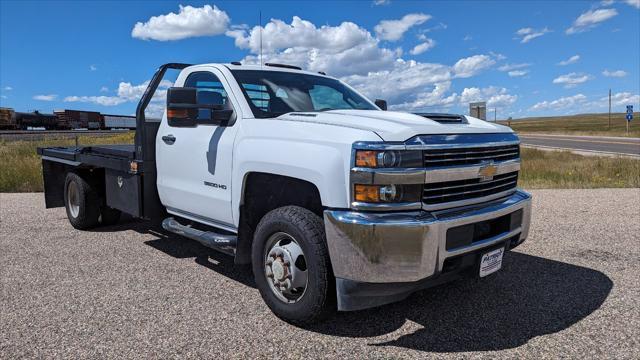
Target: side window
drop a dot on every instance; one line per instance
(210, 91)
(259, 95)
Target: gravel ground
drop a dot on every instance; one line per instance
(129, 291)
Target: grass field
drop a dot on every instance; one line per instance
(21, 169)
(583, 124)
(564, 170)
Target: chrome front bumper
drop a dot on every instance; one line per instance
(410, 246)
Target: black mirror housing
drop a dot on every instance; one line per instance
(382, 104)
(183, 109)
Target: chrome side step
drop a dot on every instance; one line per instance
(210, 239)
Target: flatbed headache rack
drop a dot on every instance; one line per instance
(129, 170)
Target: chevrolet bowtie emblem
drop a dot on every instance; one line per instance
(487, 172)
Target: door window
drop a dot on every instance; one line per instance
(210, 91)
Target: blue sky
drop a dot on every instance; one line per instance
(525, 58)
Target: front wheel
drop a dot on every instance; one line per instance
(291, 265)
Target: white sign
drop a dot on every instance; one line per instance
(491, 262)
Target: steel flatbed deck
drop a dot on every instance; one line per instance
(116, 157)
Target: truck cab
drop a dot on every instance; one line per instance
(335, 202)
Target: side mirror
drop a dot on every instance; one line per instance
(184, 109)
(382, 104)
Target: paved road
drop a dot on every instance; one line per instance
(629, 146)
(130, 291)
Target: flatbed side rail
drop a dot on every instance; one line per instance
(144, 102)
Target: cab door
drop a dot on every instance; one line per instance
(194, 163)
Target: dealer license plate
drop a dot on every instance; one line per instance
(491, 262)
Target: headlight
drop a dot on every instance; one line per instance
(389, 159)
(387, 193)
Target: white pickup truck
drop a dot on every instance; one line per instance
(336, 203)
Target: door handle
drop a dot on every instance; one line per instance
(169, 139)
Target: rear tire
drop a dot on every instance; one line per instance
(287, 230)
(81, 201)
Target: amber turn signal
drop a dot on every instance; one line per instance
(367, 193)
(177, 113)
(366, 158)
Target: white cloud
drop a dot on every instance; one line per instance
(572, 79)
(381, 2)
(494, 96)
(126, 93)
(50, 97)
(572, 60)
(392, 30)
(100, 100)
(278, 35)
(7, 88)
(517, 73)
(104, 89)
(580, 103)
(561, 103)
(467, 38)
(590, 19)
(3, 97)
(622, 99)
(356, 56)
(615, 73)
(527, 34)
(422, 47)
(189, 22)
(92, 67)
(510, 67)
(472, 65)
(634, 3)
(404, 79)
(436, 98)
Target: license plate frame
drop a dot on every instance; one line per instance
(491, 261)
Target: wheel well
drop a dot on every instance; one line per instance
(55, 175)
(263, 192)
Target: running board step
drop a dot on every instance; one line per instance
(207, 238)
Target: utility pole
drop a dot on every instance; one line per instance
(495, 114)
(609, 126)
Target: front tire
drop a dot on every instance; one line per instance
(81, 201)
(291, 265)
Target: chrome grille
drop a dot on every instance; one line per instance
(469, 155)
(450, 191)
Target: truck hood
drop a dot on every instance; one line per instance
(393, 125)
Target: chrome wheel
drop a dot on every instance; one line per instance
(285, 267)
(73, 199)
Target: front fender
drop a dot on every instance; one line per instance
(322, 157)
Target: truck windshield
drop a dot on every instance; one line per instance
(273, 93)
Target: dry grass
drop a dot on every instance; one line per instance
(21, 167)
(584, 124)
(564, 170)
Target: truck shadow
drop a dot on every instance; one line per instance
(183, 248)
(531, 296)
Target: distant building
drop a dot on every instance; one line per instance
(478, 110)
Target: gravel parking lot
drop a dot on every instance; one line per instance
(572, 289)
